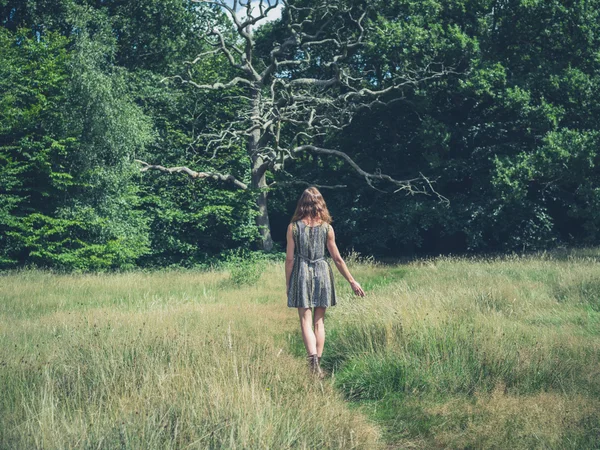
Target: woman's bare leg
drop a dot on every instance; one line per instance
(319, 323)
(308, 335)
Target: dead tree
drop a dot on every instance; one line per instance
(308, 85)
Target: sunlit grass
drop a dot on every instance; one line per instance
(443, 353)
(162, 360)
(459, 353)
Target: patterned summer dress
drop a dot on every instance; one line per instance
(311, 282)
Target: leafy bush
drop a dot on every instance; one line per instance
(246, 267)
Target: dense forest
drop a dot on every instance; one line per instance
(499, 109)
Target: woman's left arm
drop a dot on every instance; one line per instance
(289, 257)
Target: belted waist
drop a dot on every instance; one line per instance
(307, 259)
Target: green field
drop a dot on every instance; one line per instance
(442, 353)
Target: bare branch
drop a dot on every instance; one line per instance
(264, 12)
(313, 82)
(364, 92)
(192, 173)
(225, 6)
(210, 87)
(409, 186)
(224, 48)
(286, 108)
(306, 183)
(242, 30)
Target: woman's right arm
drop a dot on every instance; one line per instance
(340, 263)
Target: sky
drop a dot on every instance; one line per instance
(273, 14)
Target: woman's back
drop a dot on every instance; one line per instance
(311, 283)
(310, 240)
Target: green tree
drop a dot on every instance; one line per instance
(312, 80)
(74, 135)
(510, 140)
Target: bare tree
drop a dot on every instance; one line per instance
(312, 82)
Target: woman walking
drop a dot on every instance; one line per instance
(309, 278)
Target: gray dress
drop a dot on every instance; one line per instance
(311, 282)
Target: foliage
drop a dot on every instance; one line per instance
(510, 136)
(191, 221)
(246, 267)
(494, 135)
(244, 270)
(106, 111)
(69, 132)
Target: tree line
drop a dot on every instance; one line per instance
(431, 126)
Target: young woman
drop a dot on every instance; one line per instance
(309, 278)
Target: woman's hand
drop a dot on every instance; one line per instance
(357, 289)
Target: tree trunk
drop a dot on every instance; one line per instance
(259, 169)
(262, 220)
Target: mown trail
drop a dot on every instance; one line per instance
(443, 353)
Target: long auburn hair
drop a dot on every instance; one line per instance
(312, 205)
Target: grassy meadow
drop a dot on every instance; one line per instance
(442, 353)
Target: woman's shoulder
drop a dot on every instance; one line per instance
(293, 226)
(302, 224)
(328, 228)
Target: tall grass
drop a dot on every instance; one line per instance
(459, 353)
(163, 360)
(443, 353)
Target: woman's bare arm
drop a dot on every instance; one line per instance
(340, 263)
(289, 257)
